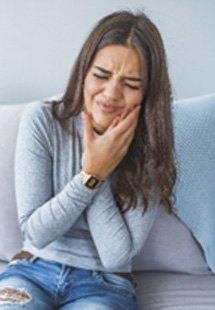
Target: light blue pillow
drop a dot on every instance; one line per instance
(174, 243)
(194, 127)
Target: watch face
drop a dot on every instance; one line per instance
(92, 182)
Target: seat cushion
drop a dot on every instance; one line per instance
(174, 291)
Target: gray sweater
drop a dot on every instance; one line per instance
(60, 218)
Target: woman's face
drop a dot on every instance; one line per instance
(113, 83)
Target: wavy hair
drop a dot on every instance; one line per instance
(148, 168)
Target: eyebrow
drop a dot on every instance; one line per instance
(130, 78)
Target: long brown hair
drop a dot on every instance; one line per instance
(149, 165)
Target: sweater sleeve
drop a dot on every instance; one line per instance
(43, 217)
(118, 237)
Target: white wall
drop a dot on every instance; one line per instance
(40, 38)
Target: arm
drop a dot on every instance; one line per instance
(118, 237)
(42, 217)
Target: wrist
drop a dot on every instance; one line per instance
(90, 180)
(93, 170)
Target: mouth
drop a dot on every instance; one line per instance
(108, 108)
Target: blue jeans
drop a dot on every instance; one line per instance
(35, 283)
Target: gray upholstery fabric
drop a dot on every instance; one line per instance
(174, 291)
(170, 246)
(10, 236)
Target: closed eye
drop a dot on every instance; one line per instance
(106, 77)
(132, 86)
(102, 77)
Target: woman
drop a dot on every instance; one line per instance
(91, 169)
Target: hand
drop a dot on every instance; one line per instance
(103, 153)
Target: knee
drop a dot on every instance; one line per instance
(14, 296)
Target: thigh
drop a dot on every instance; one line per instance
(100, 291)
(89, 303)
(17, 292)
(97, 302)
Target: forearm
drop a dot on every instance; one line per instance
(49, 199)
(118, 237)
(56, 216)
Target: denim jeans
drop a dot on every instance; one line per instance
(35, 283)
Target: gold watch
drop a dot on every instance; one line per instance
(89, 180)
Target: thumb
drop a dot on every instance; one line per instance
(88, 128)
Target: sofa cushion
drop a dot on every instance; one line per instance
(194, 126)
(10, 236)
(174, 291)
(170, 245)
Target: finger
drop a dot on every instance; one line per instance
(127, 136)
(124, 114)
(129, 121)
(123, 147)
(131, 115)
(119, 118)
(88, 128)
(114, 123)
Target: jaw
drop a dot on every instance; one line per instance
(98, 127)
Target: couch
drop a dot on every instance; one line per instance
(171, 270)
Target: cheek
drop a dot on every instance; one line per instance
(90, 90)
(91, 87)
(134, 99)
(87, 88)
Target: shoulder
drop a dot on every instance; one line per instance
(36, 125)
(38, 118)
(38, 111)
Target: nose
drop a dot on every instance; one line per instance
(113, 90)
